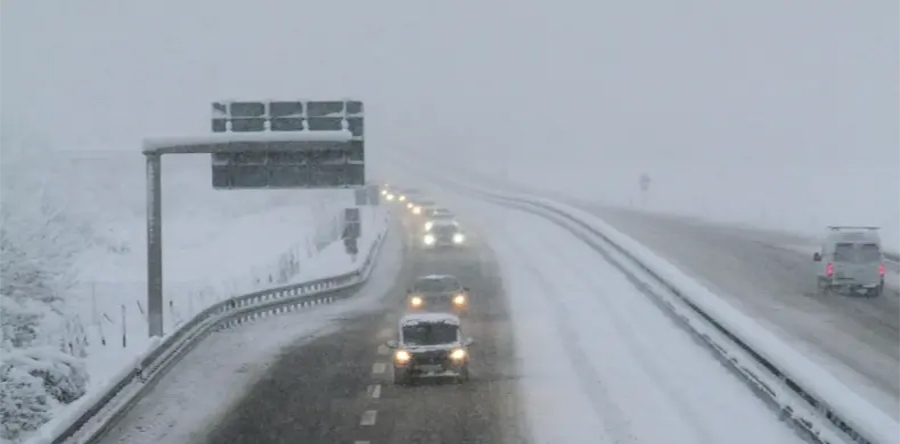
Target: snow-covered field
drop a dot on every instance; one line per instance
(191, 398)
(74, 227)
(600, 362)
(110, 299)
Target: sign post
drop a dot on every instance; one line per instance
(299, 144)
(645, 188)
(352, 231)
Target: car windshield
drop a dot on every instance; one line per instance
(430, 333)
(442, 216)
(857, 253)
(437, 284)
(444, 228)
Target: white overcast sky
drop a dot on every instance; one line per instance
(726, 90)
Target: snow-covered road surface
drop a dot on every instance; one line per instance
(192, 397)
(602, 363)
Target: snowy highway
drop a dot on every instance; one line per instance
(567, 351)
(768, 275)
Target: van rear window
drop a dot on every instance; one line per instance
(869, 253)
(857, 253)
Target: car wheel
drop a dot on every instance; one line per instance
(400, 377)
(463, 374)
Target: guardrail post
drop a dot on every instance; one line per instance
(124, 329)
(154, 245)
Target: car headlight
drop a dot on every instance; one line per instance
(458, 354)
(383, 192)
(402, 198)
(429, 239)
(458, 238)
(389, 196)
(402, 356)
(409, 205)
(416, 301)
(428, 225)
(459, 299)
(417, 210)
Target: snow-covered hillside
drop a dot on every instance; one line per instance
(74, 261)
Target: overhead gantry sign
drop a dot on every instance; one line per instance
(303, 144)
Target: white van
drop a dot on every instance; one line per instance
(850, 261)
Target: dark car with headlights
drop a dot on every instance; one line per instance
(442, 235)
(438, 292)
(430, 345)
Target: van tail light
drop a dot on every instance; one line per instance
(829, 269)
(881, 269)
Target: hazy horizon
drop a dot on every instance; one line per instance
(785, 109)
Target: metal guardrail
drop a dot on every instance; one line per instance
(111, 403)
(831, 411)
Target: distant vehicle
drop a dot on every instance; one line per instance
(407, 195)
(438, 292)
(422, 206)
(439, 216)
(430, 345)
(851, 261)
(443, 234)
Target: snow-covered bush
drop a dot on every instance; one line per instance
(39, 240)
(24, 402)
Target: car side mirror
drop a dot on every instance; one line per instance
(468, 342)
(392, 344)
(817, 257)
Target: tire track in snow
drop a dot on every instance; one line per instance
(616, 423)
(646, 378)
(645, 352)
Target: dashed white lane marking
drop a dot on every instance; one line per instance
(384, 333)
(374, 391)
(368, 418)
(383, 350)
(362, 442)
(378, 368)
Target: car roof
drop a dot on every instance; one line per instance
(429, 318)
(435, 277)
(853, 236)
(444, 223)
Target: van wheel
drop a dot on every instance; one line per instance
(876, 292)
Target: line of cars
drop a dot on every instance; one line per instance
(430, 341)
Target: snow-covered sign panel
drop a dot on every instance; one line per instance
(306, 163)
